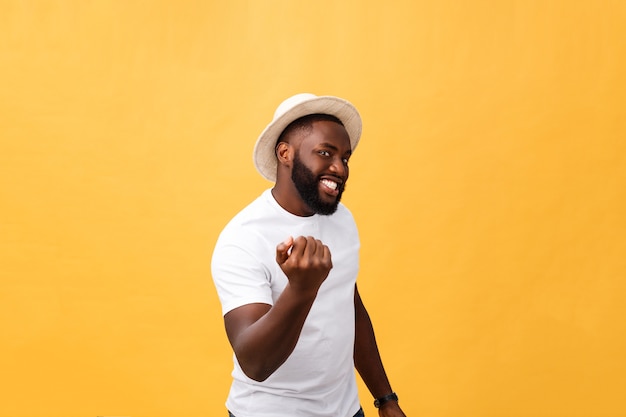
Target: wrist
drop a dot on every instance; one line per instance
(379, 402)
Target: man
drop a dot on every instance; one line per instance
(285, 270)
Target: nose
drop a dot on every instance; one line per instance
(339, 168)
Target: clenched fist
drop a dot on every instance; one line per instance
(307, 264)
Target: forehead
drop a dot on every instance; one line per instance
(327, 133)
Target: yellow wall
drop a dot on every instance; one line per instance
(490, 190)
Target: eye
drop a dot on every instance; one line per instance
(345, 161)
(323, 153)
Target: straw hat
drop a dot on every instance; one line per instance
(294, 108)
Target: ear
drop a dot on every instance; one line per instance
(284, 153)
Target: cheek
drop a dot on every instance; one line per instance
(318, 166)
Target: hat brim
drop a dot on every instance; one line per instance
(264, 150)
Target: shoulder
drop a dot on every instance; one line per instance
(344, 212)
(253, 228)
(243, 240)
(343, 217)
(253, 214)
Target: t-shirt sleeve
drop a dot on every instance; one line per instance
(240, 277)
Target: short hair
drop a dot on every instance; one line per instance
(305, 124)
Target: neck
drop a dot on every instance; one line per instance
(288, 198)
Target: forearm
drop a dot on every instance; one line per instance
(366, 355)
(368, 362)
(266, 343)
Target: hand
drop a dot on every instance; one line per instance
(391, 409)
(307, 264)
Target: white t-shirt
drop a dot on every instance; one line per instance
(318, 378)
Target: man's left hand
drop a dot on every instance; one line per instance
(391, 409)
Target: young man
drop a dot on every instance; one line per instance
(285, 270)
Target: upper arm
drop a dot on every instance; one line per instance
(240, 275)
(362, 321)
(243, 285)
(236, 321)
(359, 307)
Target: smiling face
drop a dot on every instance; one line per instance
(319, 167)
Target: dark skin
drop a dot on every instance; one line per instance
(263, 336)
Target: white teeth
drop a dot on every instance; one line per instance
(330, 184)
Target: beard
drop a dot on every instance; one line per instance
(307, 185)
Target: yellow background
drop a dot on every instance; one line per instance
(489, 187)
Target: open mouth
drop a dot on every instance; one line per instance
(329, 186)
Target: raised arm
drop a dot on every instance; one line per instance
(368, 362)
(263, 336)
